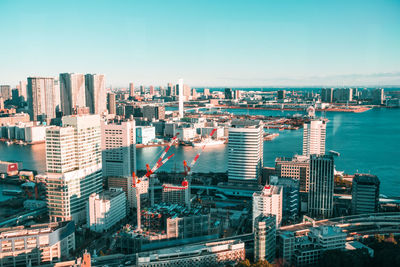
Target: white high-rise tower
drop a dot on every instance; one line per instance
(314, 137)
(180, 84)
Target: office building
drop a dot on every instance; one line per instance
(206, 92)
(42, 98)
(5, 92)
(297, 167)
(180, 92)
(151, 90)
(22, 89)
(145, 134)
(281, 94)
(343, 95)
(131, 90)
(36, 244)
(268, 202)
(327, 95)
(220, 253)
(118, 144)
(1, 103)
(245, 151)
(365, 194)
(170, 90)
(320, 196)
(74, 166)
(314, 134)
(142, 90)
(95, 91)
(290, 197)
(238, 94)
(73, 92)
(176, 194)
(265, 238)
(153, 112)
(228, 93)
(111, 104)
(378, 96)
(106, 209)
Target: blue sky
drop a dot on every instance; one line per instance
(207, 43)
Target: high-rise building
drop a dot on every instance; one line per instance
(264, 238)
(95, 86)
(365, 194)
(106, 209)
(378, 96)
(290, 197)
(245, 150)
(238, 94)
(297, 167)
(111, 105)
(268, 202)
(151, 90)
(343, 94)
(180, 90)
(320, 196)
(22, 88)
(142, 90)
(73, 93)
(281, 94)
(5, 92)
(228, 93)
(314, 134)
(118, 144)
(154, 112)
(42, 98)
(170, 90)
(74, 168)
(131, 90)
(206, 92)
(327, 95)
(1, 103)
(176, 194)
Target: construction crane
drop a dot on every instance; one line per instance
(135, 180)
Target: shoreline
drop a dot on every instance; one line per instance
(350, 110)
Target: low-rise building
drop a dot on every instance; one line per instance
(36, 244)
(145, 134)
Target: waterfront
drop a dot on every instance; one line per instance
(367, 142)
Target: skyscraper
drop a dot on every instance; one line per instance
(22, 88)
(95, 86)
(111, 105)
(151, 89)
(245, 151)
(131, 89)
(320, 196)
(281, 94)
(228, 93)
(264, 229)
(327, 95)
(142, 90)
(72, 87)
(42, 98)
(180, 85)
(378, 96)
(268, 201)
(5, 92)
(365, 194)
(314, 133)
(74, 168)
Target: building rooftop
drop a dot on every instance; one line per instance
(246, 123)
(370, 179)
(173, 210)
(45, 228)
(327, 231)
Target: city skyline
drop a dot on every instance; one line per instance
(209, 44)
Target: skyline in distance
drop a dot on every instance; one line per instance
(224, 43)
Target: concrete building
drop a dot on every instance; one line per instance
(265, 238)
(176, 194)
(327, 95)
(118, 144)
(343, 95)
(22, 89)
(228, 93)
(365, 194)
(36, 244)
(186, 133)
(290, 197)
(320, 196)
(208, 254)
(181, 96)
(42, 98)
(5, 92)
(145, 134)
(111, 104)
(152, 112)
(106, 209)
(131, 89)
(297, 167)
(245, 151)
(281, 94)
(378, 96)
(74, 166)
(314, 135)
(95, 91)
(268, 202)
(73, 92)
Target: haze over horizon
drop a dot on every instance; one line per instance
(209, 44)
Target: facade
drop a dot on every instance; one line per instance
(106, 209)
(281, 94)
(42, 98)
(365, 194)
(176, 194)
(36, 244)
(343, 94)
(314, 135)
(320, 196)
(297, 167)
(327, 95)
(152, 112)
(378, 96)
(245, 151)
(131, 90)
(73, 92)
(74, 166)
(290, 197)
(5, 92)
(268, 202)
(265, 238)
(95, 92)
(145, 134)
(207, 254)
(228, 93)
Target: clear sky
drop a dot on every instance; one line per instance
(207, 43)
